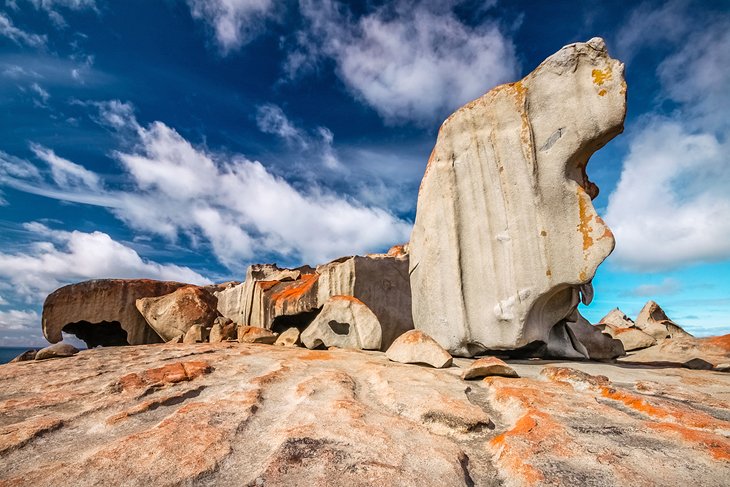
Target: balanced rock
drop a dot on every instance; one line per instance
(415, 347)
(654, 321)
(254, 334)
(288, 338)
(344, 322)
(505, 230)
(173, 314)
(25, 356)
(103, 311)
(486, 367)
(57, 350)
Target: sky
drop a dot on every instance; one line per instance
(185, 140)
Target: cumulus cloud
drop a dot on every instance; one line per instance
(17, 35)
(56, 257)
(234, 22)
(410, 61)
(668, 286)
(670, 206)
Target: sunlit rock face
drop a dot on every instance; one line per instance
(506, 235)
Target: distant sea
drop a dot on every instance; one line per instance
(9, 353)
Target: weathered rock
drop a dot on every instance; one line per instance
(279, 299)
(216, 333)
(676, 351)
(25, 356)
(653, 320)
(236, 414)
(103, 311)
(632, 338)
(486, 367)
(598, 346)
(344, 322)
(177, 339)
(415, 347)
(254, 334)
(288, 338)
(505, 233)
(57, 350)
(617, 319)
(196, 334)
(698, 364)
(173, 314)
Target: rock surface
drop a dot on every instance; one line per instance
(25, 356)
(505, 233)
(103, 311)
(254, 334)
(344, 322)
(196, 334)
(632, 338)
(288, 338)
(173, 314)
(617, 319)
(676, 351)
(232, 414)
(487, 367)
(415, 347)
(654, 321)
(57, 350)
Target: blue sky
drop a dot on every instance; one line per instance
(187, 139)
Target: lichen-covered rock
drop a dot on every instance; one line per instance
(681, 349)
(505, 230)
(653, 321)
(57, 350)
(173, 314)
(103, 311)
(344, 322)
(486, 367)
(415, 347)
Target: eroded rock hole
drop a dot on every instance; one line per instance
(339, 328)
(105, 333)
(299, 321)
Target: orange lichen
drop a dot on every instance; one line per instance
(602, 93)
(722, 341)
(300, 287)
(352, 299)
(600, 76)
(585, 218)
(169, 374)
(266, 285)
(316, 355)
(718, 446)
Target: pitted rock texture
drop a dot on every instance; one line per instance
(173, 314)
(344, 322)
(234, 414)
(506, 235)
(103, 311)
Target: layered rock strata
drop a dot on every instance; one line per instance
(505, 235)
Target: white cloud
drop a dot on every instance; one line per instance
(409, 61)
(671, 204)
(17, 35)
(38, 90)
(667, 287)
(66, 174)
(54, 258)
(271, 119)
(19, 320)
(234, 22)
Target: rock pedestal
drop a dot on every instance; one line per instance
(505, 232)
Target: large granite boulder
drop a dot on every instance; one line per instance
(103, 311)
(173, 314)
(653, 321)
(617, 319)
(278, 299)
(505, 232)
(344, 322)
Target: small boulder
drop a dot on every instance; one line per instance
(216, 333)
(344, 322)
(254, 334)
(57, 350)
(488, 366)
(196, 334)
(25, 356)
(173, 314)
(289, 338)
(415, 347)
(698, 364)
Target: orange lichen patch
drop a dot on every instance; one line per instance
(574, 376)
(548, 273)
(583, 275)
(351, 299)
(16, 435)
(722, 342)
(601, 76)
(717, 446)
(619, 331)
(665, 411)
(316, 355)
(169, 374)
(602, 93)
(397, 251)
(584, 227)
(293, 293)
(266, 285)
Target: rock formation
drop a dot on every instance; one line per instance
(488, 367)
(234, 414)
(173, 314)
(57, 350)
(415, 347)
(255, 334)
(278, 299)
(505, 236)
(654, 321)
(344, 322)
(103, 311)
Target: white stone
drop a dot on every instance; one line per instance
(344, 322)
